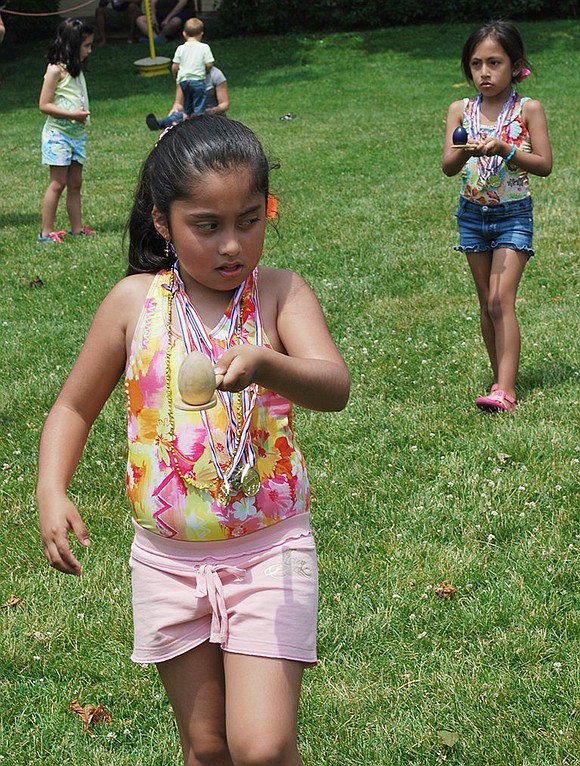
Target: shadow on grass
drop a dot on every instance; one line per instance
(270, 60)
(14, 218)
(548, 376)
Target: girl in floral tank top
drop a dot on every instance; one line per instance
(224, 573)
(495, 140)
(174, 489)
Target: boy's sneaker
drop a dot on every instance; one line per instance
(84, 232)
(54, 237)
(152, 123)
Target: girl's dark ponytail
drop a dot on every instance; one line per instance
(146, 246)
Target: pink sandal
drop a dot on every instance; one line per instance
(84, 232)
(51, 238)
(496, 401)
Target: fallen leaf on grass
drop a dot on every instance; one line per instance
(460, 84)
(13, 601)
(448, 738)
(90, 714)
(36, 282)
(445, 590)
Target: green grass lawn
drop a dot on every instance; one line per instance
(413, 486)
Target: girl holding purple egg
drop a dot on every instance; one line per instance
(495, 139)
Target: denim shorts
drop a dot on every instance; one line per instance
(489, 227)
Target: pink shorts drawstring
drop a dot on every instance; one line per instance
(209, 584)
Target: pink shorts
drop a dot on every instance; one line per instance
(255, 595)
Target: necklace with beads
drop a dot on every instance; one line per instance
(238, 474)
(488, 167)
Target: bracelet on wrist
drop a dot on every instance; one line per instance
(511, 154)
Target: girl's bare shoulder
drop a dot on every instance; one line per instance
(57, 69)
(279, 281)
(122, 306)
(127, 296)
(457, 108)
(55, 72)
(531, 107)
(281, 291)
(134, 286)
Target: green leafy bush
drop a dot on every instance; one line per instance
(237, 17)
(40, 24)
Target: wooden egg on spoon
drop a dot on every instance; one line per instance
(196, 383)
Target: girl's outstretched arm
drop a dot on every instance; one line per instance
(307, 367)
(91, 381)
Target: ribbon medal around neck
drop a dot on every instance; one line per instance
(489, 166)
(239, 475)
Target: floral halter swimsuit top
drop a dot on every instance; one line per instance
(490, 180)
(182, 465)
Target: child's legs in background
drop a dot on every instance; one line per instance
(171, 119)
(194, 96)
(74, 182)
(199, 98)
(262, 697)
(57, 154)
(187, 97)
(57, 183)
(65, 155)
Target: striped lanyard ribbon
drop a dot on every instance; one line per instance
(489, 166)
(196, 338)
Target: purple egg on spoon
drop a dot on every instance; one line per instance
(459, 136)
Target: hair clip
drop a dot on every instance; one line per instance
(272, 207)
(522, 74)
(166, 131)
